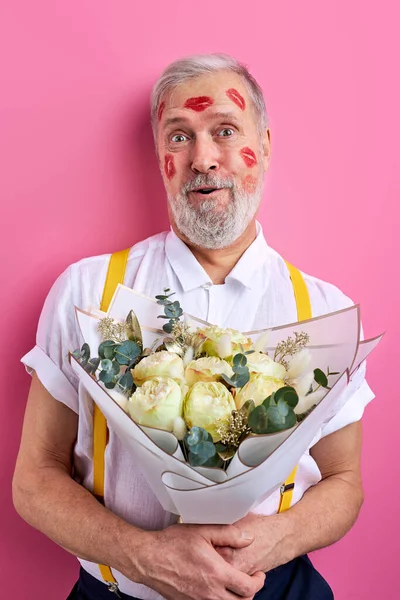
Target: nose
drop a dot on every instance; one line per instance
(204, 156)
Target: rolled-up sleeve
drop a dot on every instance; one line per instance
(327, 298)
(56, 336)
(357, 395)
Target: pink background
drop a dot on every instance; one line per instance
(79, 177)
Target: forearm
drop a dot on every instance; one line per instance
(52, 502)
(324, 515)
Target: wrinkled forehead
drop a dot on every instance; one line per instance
(215, 89)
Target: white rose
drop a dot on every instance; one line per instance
(156, 403)
(158, 364)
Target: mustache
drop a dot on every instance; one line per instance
(209, 180)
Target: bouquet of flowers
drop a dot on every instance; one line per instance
(210, 411)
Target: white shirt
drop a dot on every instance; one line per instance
(257, 294)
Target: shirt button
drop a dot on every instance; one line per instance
(207, 285)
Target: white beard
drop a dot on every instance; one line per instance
(205, 225)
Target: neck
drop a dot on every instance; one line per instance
(219, 263)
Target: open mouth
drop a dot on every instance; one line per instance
(206, 191)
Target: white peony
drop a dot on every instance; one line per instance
(223, 340)
(157, 403)
(158, 364)
(207, 405)
(258, 362)
(207, 368)
(258, 389)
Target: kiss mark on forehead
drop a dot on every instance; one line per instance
(160, 110)
(236, 98)
(199, 103)
(169, 166)
(248, 156)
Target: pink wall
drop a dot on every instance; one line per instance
(76, 154)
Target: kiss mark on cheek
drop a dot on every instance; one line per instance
(199, 103)
(248, 156)
(249, 184)
(236, 98)
(169, 166)
(160, 110)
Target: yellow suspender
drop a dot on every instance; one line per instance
(115, 275)
(304, 312)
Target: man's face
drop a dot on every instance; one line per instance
(212, 158)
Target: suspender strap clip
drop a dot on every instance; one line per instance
(286, 488)
(113, 587)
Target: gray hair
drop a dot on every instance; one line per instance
(190, 67)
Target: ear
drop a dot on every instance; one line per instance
(266, 148)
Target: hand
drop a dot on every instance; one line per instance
(268, 548)
(181, 563)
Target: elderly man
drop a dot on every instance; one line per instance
(213, 145)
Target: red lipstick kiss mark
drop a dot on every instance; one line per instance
(198, 104)
(160, 110)
(236, 98)
(249, 184)
(248, 156)
(169, 166)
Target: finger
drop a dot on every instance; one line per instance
(244, 585)
(259, 579)
(226, 552)
(228, 535)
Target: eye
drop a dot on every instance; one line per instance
(179, 138)
(226, 132)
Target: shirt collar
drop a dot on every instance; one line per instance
(191, 274)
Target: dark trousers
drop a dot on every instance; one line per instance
(297, 580)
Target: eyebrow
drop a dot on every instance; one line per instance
(226, 116)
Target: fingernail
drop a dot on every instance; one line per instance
(247, 536)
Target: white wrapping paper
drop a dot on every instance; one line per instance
(262, 463)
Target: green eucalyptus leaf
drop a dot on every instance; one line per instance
(106, 376)
(228, 380)
(107, 365)
(197, 435)
(203, 452)
(92, 365)
(219, 447)
(126, 382)
(115, 367)
(215, 461)
(168, 327)
(107, 349)
(110, 385)
(258, 420)
(277, 420)
(126, 352)
(241, 379)
(267, 401)
(320, 378)
(247, 407)
(283, 407)
(288, 394)
(239, 360)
